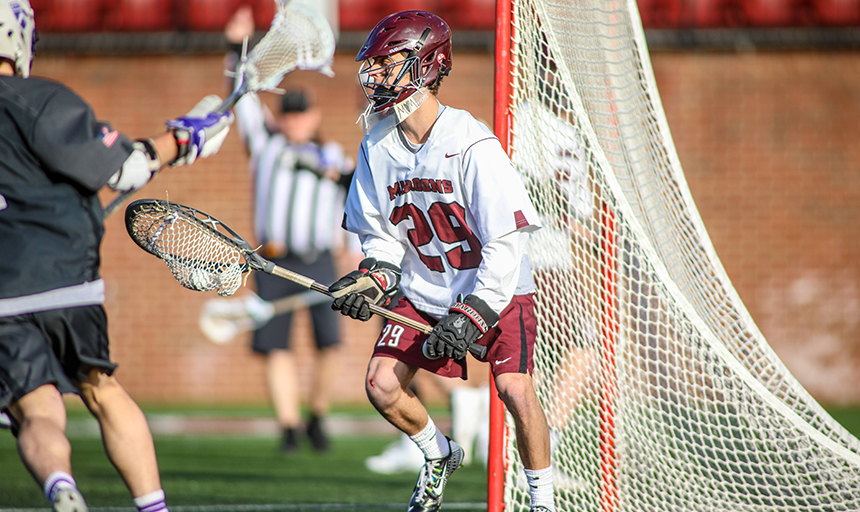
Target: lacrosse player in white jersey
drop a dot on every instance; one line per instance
(442, 214)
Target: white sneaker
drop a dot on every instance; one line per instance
(427, 496)
(69, 500)
(400, 456)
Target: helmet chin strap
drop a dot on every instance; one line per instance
(393, 116)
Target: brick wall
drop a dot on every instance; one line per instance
(767, 141)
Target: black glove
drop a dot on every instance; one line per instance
(375, 282)
(467, 321)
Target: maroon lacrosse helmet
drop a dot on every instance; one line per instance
(425, 38)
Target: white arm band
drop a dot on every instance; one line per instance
(137, 169)
(499, 272)
(387, 250)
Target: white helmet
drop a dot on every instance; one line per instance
(17, 34)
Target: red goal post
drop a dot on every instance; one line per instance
(498, 463)
(661, 392)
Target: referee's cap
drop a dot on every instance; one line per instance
(295, 100)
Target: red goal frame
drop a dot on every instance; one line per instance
(496, 463)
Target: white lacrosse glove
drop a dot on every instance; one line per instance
(140, 166)
(200, 132)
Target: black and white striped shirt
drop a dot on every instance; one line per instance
(295, 206)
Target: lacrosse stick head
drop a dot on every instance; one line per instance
(202, 252)
(299, 38)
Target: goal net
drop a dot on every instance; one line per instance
(661, 393)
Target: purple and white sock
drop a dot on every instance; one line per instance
(152, 502)
(57, 481)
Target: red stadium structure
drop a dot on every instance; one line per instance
(76, 16)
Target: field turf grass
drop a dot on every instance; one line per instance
(205, 473)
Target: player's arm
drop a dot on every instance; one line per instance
(471, 317)
(71, 142)
(503, 220)
(198, 134)
(378, 275)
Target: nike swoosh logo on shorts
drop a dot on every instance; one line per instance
(503, 360)
(452, 154)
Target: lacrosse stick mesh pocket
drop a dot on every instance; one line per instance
(199, 258)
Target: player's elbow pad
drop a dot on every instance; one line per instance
(136, 171)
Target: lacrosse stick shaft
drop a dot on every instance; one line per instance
(117, 201)
(294, 302)
(476, 350)
(231, 100)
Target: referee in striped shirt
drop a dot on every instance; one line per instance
(299, 202)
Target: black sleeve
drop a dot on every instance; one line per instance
(70, 141)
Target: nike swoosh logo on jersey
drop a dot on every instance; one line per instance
(452, 154)
(503, 360)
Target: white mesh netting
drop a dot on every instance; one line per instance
(198, 257)
(299, 38)
(660, 391)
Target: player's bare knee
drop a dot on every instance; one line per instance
(514, 389)
(44, 402)
(382, 388)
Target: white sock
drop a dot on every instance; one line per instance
(57, 481)
(432, 441)
(540, 487)
(152, 502)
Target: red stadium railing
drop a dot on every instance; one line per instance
(76, 16)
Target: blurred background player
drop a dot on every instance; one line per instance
(564, 258)
(469, 406)
(54, 158)
(435, 194)
(298, 206)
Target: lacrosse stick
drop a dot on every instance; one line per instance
(221, 320)
(299, 38)
(204, 254)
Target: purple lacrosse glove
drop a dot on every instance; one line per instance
(201, 131)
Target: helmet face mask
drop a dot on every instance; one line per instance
(18, 35)
(404, 55)
(383, 80)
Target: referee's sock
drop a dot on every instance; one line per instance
(152, 502)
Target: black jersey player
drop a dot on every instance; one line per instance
(54, 157)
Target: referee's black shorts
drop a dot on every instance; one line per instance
(51, 347)
(326, 322)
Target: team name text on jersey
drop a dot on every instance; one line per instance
(419, 185)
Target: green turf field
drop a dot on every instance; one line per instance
(214, 473)
(206, 473)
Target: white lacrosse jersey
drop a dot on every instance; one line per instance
(437, 205)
